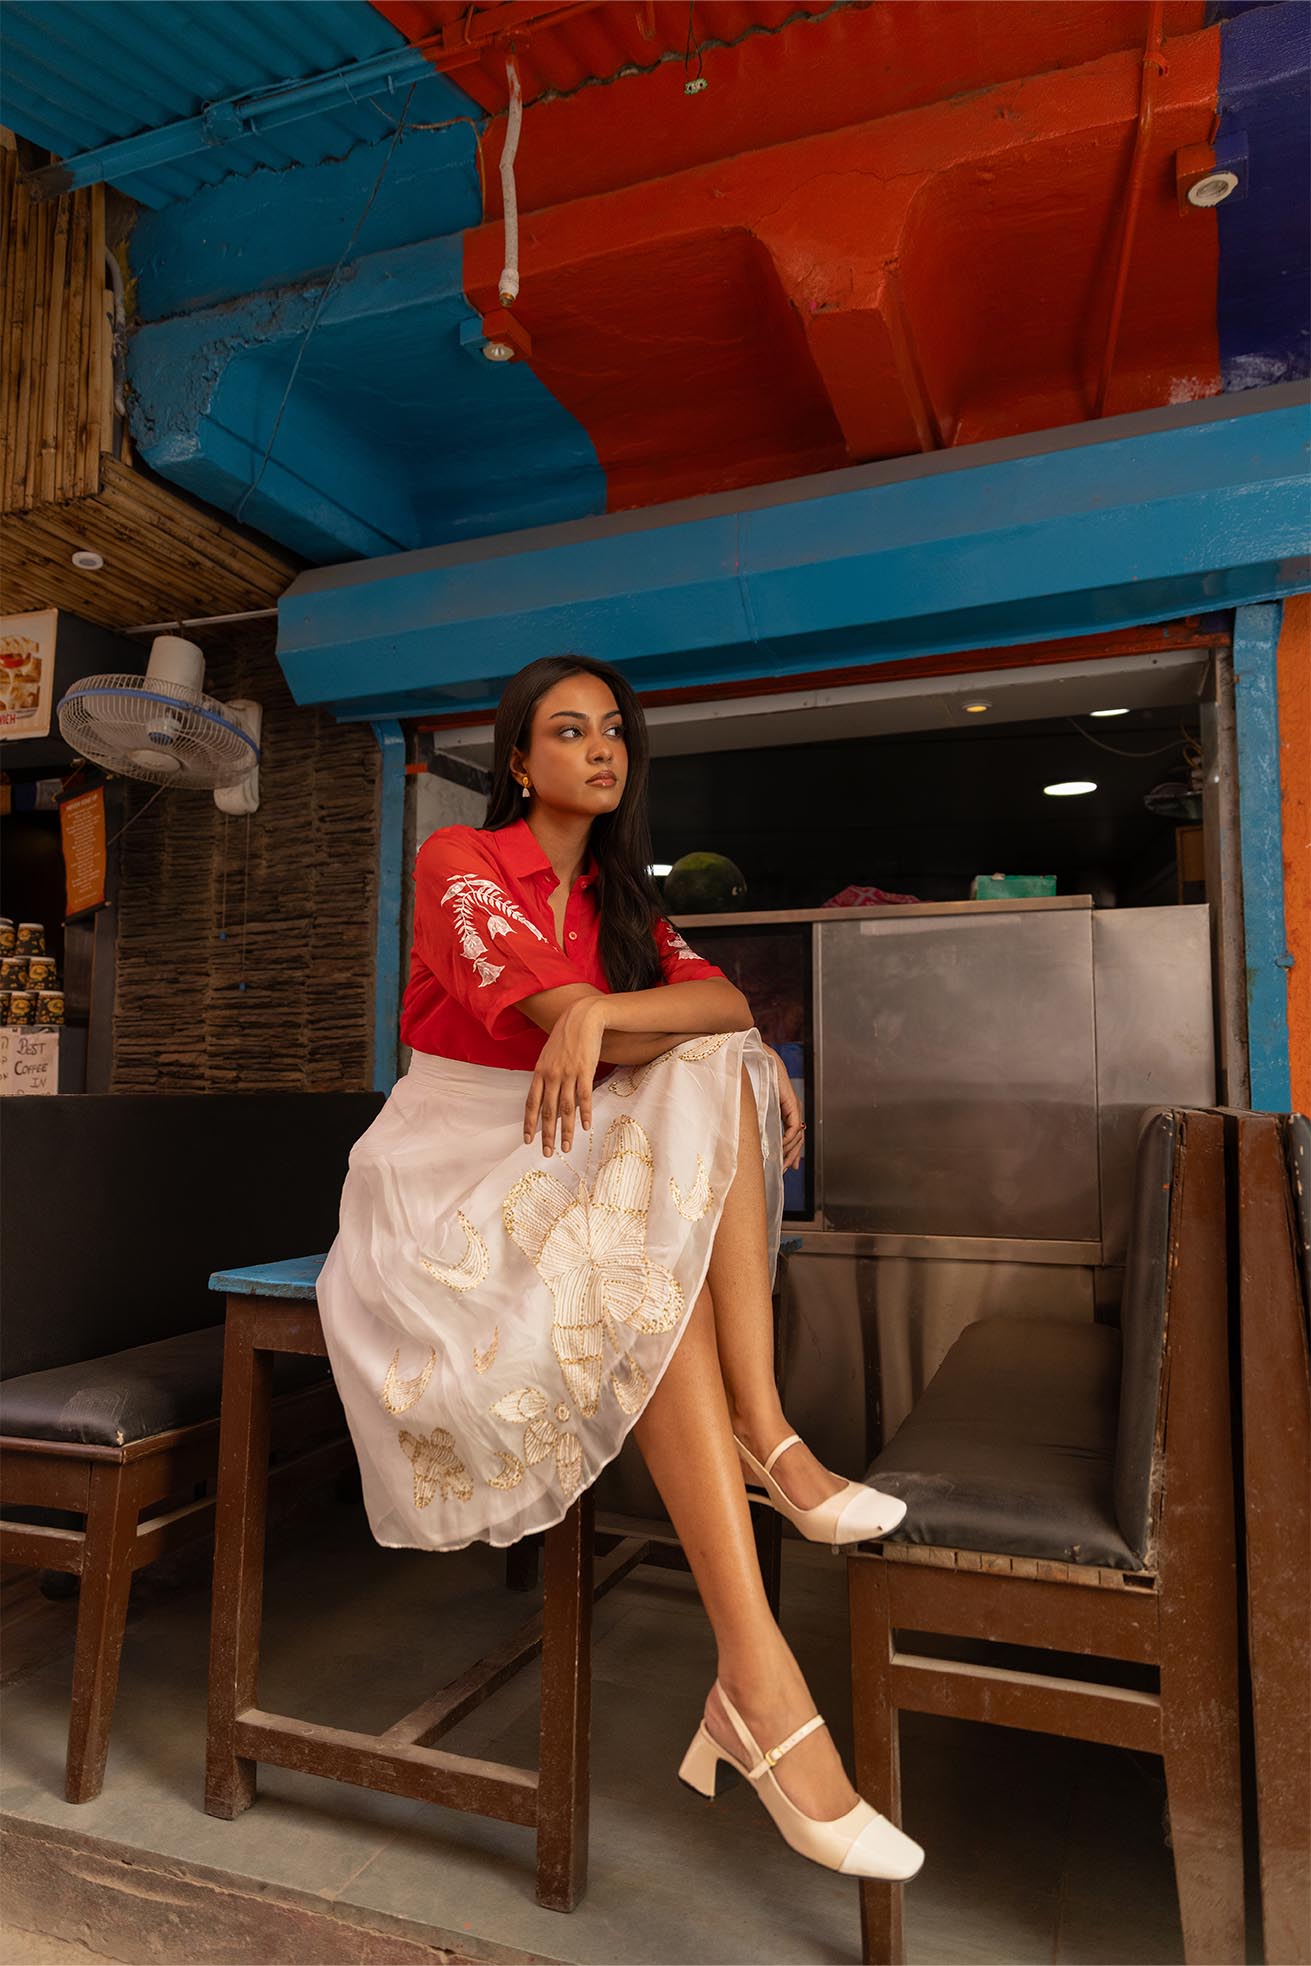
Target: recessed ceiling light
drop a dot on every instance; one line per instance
(86, 561)
(975, 709)
(1108, 713)
(660, 868)
(498, 351)
(1072, 788)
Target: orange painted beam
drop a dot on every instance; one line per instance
(939, 275)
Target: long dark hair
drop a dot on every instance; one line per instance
(626, 897)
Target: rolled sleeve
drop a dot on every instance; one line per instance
(476, 938)
(678, 962)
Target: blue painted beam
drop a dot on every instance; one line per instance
(387, 942)
(235, 117)
(393, 435)
(1260, 824)
(1073, 532)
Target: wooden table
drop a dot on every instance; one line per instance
(271, 1308)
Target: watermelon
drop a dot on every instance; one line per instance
(704, 884)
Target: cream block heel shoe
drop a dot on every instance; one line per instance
(856, 1514)
(860, 1844)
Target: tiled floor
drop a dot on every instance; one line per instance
(1038, 1849)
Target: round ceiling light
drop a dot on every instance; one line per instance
(975, 709)
(1213, 189)
(86, 561)
(498, 351)
(1108, 713)
(1071, 788)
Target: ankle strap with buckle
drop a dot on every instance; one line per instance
(776, 1754)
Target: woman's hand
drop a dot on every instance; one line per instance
(561, 1091)
(794, 1126)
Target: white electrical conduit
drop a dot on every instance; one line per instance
(509, 287)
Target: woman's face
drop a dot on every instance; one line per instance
(577, 759)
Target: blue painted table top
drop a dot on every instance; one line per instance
(297, 1277)
(294, 1278)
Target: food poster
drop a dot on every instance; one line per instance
(27, 673)
(82, 832)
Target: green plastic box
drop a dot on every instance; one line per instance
(1011, 887)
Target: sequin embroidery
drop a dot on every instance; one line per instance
(473, 1266)
(399, 1395)
(436, 1466)
(590, 1251)
(701, 1196)
(542, 1437)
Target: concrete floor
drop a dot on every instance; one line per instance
(1038, 1849)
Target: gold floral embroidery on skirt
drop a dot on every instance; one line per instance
(399, 1395)
(436, 1466)
(625, 1084)
(701, 1196)
(590, 1250)
(630, 1385)
(542, 1436)
(510, 1472)
(482, 1361)
(473, 1266)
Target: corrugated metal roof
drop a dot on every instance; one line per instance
(80, 73)
(593, 44)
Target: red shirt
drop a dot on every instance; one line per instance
(484, 938)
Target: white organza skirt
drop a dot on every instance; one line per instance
(497, 1321)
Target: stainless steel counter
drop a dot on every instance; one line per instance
(976, 1073)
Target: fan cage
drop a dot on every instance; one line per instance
(116, 722)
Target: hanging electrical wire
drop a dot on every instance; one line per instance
(324, 296)
(1158, 752)
(451, 123)
(692, 84)
(509, 281)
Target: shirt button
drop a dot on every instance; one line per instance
(573, 935)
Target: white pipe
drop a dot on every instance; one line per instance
(509, 287)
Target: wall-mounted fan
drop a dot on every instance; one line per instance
(162, 727)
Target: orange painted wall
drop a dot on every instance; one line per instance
(1295, 779)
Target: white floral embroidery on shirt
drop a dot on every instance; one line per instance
(464, 893)
(685, 955)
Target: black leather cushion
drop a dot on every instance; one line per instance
(133, 1394)
(1011, 1446)
(116, 1209)
(1142, 1327)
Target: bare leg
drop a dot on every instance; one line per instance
(744, 1323)
(687, 1442)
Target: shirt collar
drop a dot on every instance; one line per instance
(523, 855)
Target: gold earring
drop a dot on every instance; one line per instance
(525, 792)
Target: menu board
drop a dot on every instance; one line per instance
(82, 830)
(27, 672)
(29, 1059)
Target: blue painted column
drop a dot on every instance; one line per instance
(387, 946)
(1256, 704)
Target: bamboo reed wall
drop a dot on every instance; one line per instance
(303, 874)
(61, 485)
(56, 340)
(295, 886)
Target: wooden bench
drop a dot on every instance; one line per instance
(272, 1315)
(1070, 1488)
(114, 1212)
(1272, 1166)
